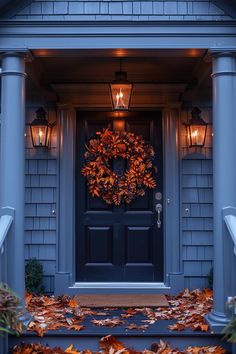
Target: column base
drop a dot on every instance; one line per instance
(217, 321)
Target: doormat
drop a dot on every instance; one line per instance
(122, 300)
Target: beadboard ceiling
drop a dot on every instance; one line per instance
(82, 76)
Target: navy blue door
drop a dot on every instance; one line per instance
(119, 243)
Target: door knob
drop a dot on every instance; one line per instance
(158, 210)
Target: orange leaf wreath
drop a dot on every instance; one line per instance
(103, 182)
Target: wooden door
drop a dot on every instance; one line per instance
(119, 243)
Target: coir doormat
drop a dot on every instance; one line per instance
(122, 300)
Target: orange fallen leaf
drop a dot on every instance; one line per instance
(76, 327)
(73, 303)
(177, 327)
(71, 350)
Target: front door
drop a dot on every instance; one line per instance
(119, 243)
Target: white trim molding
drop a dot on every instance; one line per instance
(173, 277)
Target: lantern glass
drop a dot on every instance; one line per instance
(121, 90)
(40, 129)
(197, 134)
(38, 133)
(120, 94)
(196, 129)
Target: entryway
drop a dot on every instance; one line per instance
(113, 249)
(119, 243)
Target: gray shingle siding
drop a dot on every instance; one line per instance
(40, 201)
(197, 209)
(123, 10)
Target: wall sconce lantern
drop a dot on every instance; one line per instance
(40, 129)
(196, 129)
(121, 89)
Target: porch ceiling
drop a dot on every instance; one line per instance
(60, 74)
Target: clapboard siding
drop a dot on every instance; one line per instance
(197, 208)
(122, 10)
(40, 202)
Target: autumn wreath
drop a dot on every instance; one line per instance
(105, 183)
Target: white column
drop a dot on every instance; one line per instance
(66, 241)
(13, 162)
(171, 142)
(224, 174)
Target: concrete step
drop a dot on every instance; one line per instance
(139, 340)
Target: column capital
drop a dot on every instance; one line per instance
(222, 53)
(13, 64)
(224, 63)
(217, 52)
(26, 54)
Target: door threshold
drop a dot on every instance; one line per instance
(109, 288)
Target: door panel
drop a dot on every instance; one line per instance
(99, 237)
(138, 244)
(118, 243)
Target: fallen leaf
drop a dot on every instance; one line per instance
(73, 303)
(138, 327)
(71, 350)
(76, 327)
(109, 322)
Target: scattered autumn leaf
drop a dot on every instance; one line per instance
(71, 350)
(138, 327)
(109, 322)
(109, 345)
(73, 303)
(188, 309)
(76, 327)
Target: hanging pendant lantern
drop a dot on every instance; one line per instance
(121, 90)
(196, 129)
(40, 129)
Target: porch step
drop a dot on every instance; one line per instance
(139, 340)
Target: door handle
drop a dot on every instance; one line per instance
(158, 210)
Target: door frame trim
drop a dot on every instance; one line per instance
(173, 276)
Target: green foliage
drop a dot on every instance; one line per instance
(10, 311)
(230, 329)
(34, 276)
(210, 278)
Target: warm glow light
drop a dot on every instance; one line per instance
(196, 129)
(40, 129)
(40, 137)
(119, 124)
(121, 90)
(195, 137)
(119, 100)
